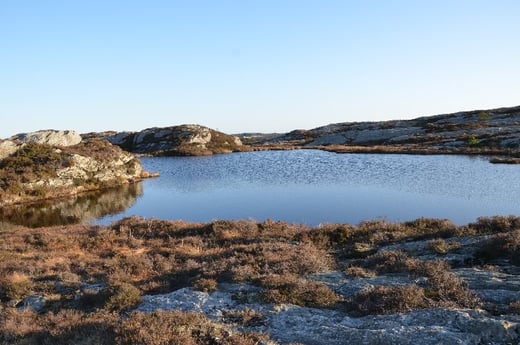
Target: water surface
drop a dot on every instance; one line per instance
(312, 187)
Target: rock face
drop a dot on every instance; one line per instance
(495, 128)
(49, 137)
(184, 140)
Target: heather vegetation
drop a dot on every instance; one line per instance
(92, 278)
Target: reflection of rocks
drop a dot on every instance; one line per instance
(79, 209)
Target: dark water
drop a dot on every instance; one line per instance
(312, 187)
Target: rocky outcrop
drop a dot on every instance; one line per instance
(45, 137)
(49, 137)
(184, 140)
(40, 171)
(480, 129)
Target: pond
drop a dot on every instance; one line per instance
(313, 187)
(299, 186)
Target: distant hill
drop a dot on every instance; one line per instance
(494, 128)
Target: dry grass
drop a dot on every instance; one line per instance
(441, 288)
(299, 291)
(145, 256)
(502, 246)
(390, 299)
(176, 327)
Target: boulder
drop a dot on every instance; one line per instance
(50, 137)
(7, 147)
(35, 303)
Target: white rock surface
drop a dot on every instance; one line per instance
(50, 137)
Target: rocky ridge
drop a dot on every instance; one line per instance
(183, 140)
(462, 132)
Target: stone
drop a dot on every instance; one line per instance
(35, 303)
(7, 148)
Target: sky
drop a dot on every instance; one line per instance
(251, 65)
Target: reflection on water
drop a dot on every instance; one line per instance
(80, 209)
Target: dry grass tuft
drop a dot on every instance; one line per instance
(390, 299)
(299, 291)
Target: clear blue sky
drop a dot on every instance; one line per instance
(251, 65)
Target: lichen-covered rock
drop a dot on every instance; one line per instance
(7, 148)
(49, 137)
(186, 140)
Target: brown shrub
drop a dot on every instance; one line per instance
(244, 317)
(442, 288)
(501, 246)
(394, 261)
(390, 299)
(496, 224)
(514, 307)
(448, 290)
(62, 328)
(205, 284)
(14, 286)
(123, 297)
(299, 291)
(431, 227)
(359, 272)
(441, 246)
